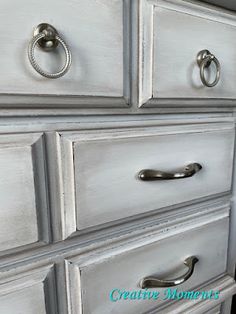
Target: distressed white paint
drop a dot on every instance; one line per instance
(96, 33)
(171, 36)
(23, 206)
(123, 267)
(25, 293)
(101, 169)
(226, 286)
(214, 310)
(112, 149)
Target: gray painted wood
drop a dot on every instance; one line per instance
(102, 222)
(23, 206)
(100, 170)
(96, 33)
(227, 4)
(172, 35)
(123, 267)
(177, 223)
(225, 285)
(26, 292)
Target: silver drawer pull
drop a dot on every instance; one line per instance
(204, 60)
(154, 175)
(153, 282)
(47, 38)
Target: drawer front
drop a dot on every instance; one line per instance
(97, 280)
(207, 307)
(101, 182)
(186, 29)
(228, 4)
(201, 309)
(23, 206)
(93, 31)
(215, 310)
(28, 292)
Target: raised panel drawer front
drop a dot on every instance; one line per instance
(203, 308)
(173, 33)
(23, 206)
(95, 279)
(215, 310)
(96, 33)
(28, 292)
(101, 169)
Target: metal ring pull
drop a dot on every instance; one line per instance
(204, 60)
(153, 282)
(47, 38)
(154, 175)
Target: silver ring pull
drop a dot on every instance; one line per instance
(204, 60)
(153, 282)
(154, 175)
(47, 38)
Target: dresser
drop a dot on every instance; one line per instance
(117, 145)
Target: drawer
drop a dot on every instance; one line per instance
(101, 168)
(226, 287)
(93, 31)
(214, 310)
(97, 279)
(227, 4)
(23, 206)
(203, 308)
(27, 292)
(186, 29)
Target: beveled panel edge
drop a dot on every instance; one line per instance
(36, 142)
(24, 101)
(65, 141)
(151, 234)
(38, 151)
(225, 284)
(24, 277)
(62, 101)
(198, 8)
(75, 264)
(145, 52)
(190, 103)
(216, 208)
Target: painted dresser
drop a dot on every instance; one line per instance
(117, 130)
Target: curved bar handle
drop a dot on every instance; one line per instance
(154, 175)
(153, 282)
